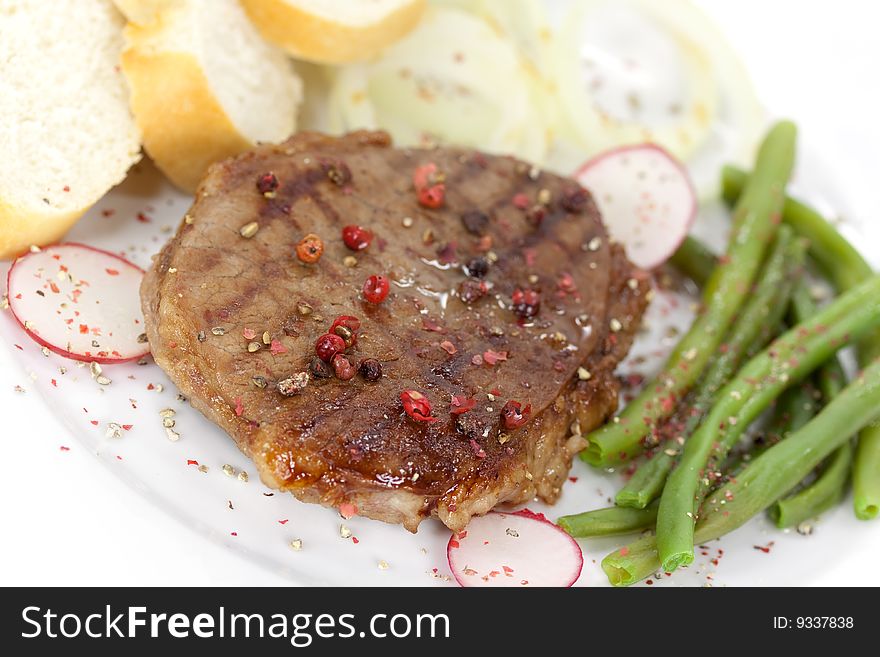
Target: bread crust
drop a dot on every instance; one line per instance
(20, 228)
(185, 128)
(145, 12)
(317, 39)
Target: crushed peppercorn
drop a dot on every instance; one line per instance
(345, 333)
(513, 415)
(320, 369)
(337, 171)
(471, 291)
(471, 425)
(536, 214)
(293, 385)
(417, 406)
(462, 404)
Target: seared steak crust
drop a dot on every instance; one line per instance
(351, 441)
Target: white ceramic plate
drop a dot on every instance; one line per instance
(135, 219)
(259, 528)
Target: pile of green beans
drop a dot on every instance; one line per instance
(764, 308)
(689, 491)
(786, 361)
(845, 267)
(767, 478)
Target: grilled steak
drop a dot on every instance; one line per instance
(508, 311)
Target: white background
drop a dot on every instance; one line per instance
(65, 520)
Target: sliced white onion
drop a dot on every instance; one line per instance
(629, 72)
(453, 79)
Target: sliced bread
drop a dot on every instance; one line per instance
(206, 86)
(68, 134)
(334, 31)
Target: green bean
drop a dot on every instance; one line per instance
(845, 267)
(754, 226)
(824, 493)
(843, 264)
(632, 563)
(611, 521)
(797, 405)
(781, 467)
(764, 308)
(830, 485)
(866, 474)
(647, 482)
(767, 478)
(832, 379)
(794, 408)
(694, 260)
(802, 306)
(787, 360)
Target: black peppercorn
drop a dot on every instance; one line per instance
(475, 222)
(478, 267)
(370, 369)
(574, 200)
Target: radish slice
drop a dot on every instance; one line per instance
(514, 549)
(80, 302)
(646, 199)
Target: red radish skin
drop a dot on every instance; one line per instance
(514, 550)
(646, 198)
(58, 314)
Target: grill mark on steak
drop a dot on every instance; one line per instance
(350, 441)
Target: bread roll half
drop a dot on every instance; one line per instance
(205, 86)
(67, 133)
